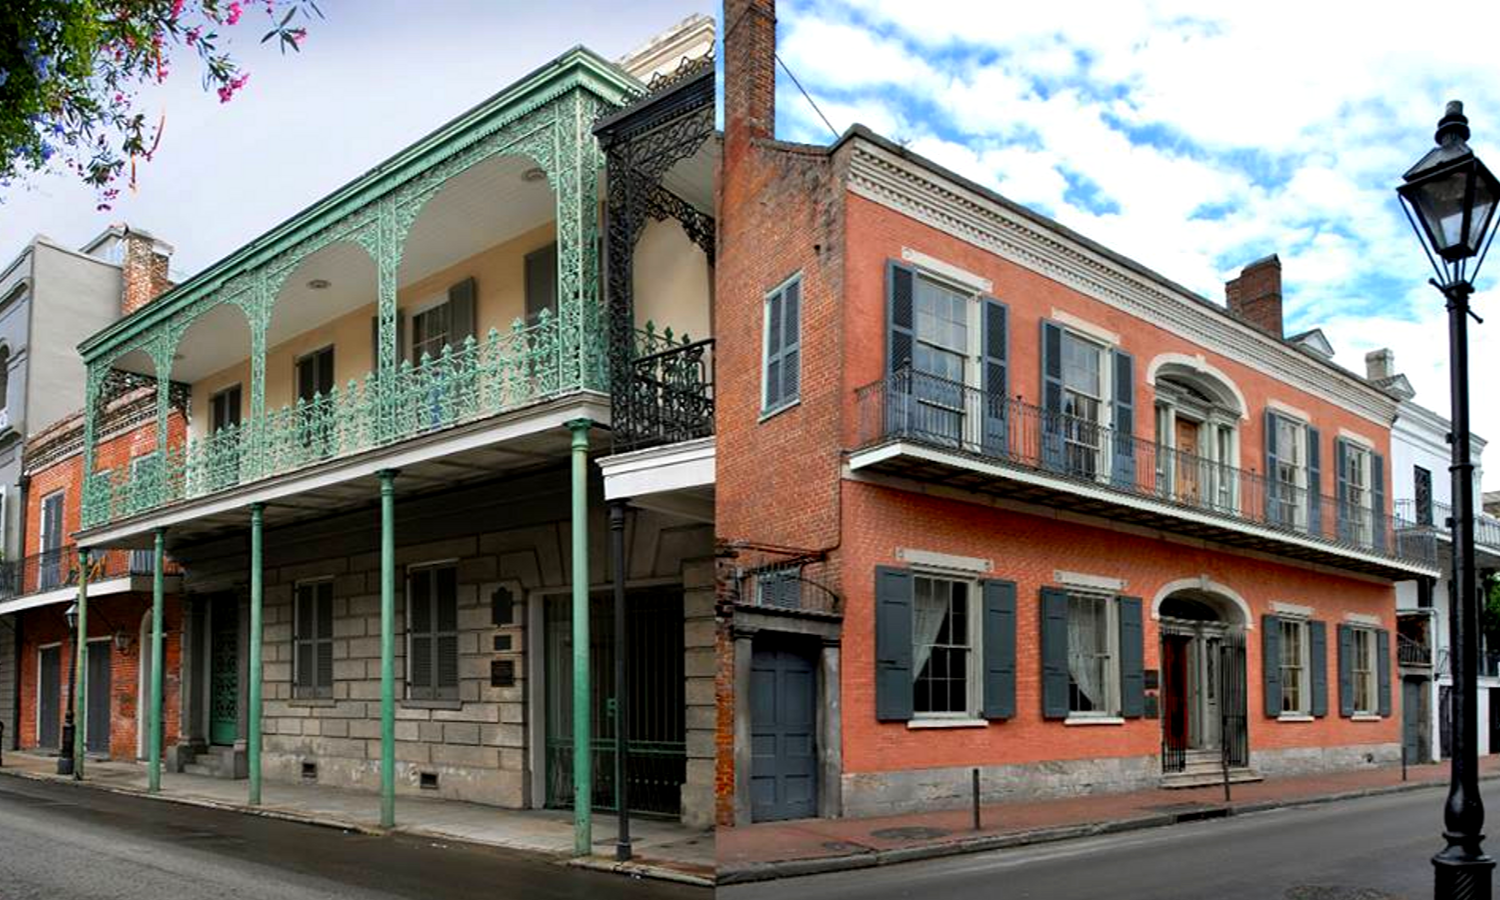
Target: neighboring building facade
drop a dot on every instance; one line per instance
(51, 297)
(1422, 488)
(408, 384)
(1051, 516)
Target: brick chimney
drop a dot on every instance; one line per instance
(1255, 296)
(749, 72)
(143, 269)
(1380, 364)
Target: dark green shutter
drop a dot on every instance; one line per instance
(894, 590)
(541, 281)
(1270, 664)
(999, 648)
(1054, 619)
(791, 341)
(1341, 476)
(1314, 482)
(996, 383)
(1052, 396)
(1272, 485)
(1383, 665)
(1317, 660)
(1378, 519)
(772, 375)
(1346, 671)
(900, 316)
(1132, 659)
(1122, 445)
(461, 300)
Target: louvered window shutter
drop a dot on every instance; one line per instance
(419, 669)
(999, 638)
(772, 375)
(324, 645)
(445, 637)
(1383, 667)
(1052, 396)
(1132, 659)
(461, 300)
(1271, 482)
(894, 589)
(541, 282)
(791, 341)
(1314, 482)
(1379, 521)
(1317, 660)
(305, 647)
(1054, 622)
(1341, 473)
(1270, 664)
(900, 347)
(1123, 443)
(996, 381)
(1346, 670)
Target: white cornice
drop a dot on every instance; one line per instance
(928, 196)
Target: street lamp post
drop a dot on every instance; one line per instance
(65, 754)
(1450, 197)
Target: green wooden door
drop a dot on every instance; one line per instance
(224, 672)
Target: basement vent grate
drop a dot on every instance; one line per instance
(428, 781)
(309, 771)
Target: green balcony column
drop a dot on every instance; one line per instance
(583, 759)
(387, 648)
(158, 590)
(80, 662)
(257, 512)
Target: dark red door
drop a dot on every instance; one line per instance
(1174, 671)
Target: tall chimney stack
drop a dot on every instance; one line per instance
(1255, 296)
(749, 72)
(143, 270)
(1380, 364)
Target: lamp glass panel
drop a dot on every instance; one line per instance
(1485, 197)
(1440, 203)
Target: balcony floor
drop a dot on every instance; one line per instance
(929, 465)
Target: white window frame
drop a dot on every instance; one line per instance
(1105, 425)
(1303, 665)
(1358, 460)
(1299, 484)
(766, 409)
(973, 672)
(1371, 675)
(1112, 662)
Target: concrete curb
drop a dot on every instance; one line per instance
(634, 869)
(794, 868)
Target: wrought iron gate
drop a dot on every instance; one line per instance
(1234, 735)
(657, 765)
(1234, 730)
(1174, 692)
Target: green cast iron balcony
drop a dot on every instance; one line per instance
(502, 372)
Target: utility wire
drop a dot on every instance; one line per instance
(811, 102)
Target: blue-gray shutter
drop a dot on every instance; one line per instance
(1273, 511)
(1314, 482)
(1346, 671)
(996, 383)
(1379, 521)
(1132, 659)
(1341, 474)
(1270, 664)
(900, 338)
(1122, 453)
(999, 648)
(1383, 665)
(791, 341)
(1052, 396)
(772, 373)
(1054, 619)
(1317, 660)
(461, 299)
(894, 589)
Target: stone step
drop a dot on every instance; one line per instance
(1175, 780)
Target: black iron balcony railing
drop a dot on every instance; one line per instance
(669, 394)
(1412, 652)
(1436, 517)
(940, 413)
(54, 569)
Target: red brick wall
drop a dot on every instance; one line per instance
(109, 615)
(1028, 549)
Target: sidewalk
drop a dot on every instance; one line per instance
(785, 849)
(662, 849)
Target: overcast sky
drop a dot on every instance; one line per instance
(1192, 137)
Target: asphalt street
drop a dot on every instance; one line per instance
(59, 842)
(1368, 849)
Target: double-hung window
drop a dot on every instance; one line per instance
(1084, 403)
(940, 354)
(943, 648)
(1363, 672)
(781, 375)
(312, 640)
(1357, 497)
(1093, 688)
(432, 632)
(1296, 690)
(1290, 473)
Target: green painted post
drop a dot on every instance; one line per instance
(80, 661)
(158, 589)
(583, 768)
(257, 511)
(387, 648)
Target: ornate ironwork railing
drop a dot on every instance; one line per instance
(484, 377)
(1412, 652)
(913, 406)
(1486, 526)
(669, 392)
(51, 570)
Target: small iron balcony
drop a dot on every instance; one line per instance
(668, 394)
(52, 570)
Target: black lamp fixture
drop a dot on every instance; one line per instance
(1449, 197)
(65, 752)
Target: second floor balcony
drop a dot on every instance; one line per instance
(919, 426)
(1433, 521)
(51, 576)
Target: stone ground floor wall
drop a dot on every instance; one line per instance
(508, 539)
(123, 619)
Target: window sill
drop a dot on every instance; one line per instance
(1094, 720)
(1294, 717)
(432, 704)
(1367, 717)
(915, 724)
(767, 414)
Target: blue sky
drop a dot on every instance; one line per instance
(1192, 137)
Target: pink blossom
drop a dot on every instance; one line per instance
(235, 11)
(298, 36)
(192, 36)
(177, 8)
